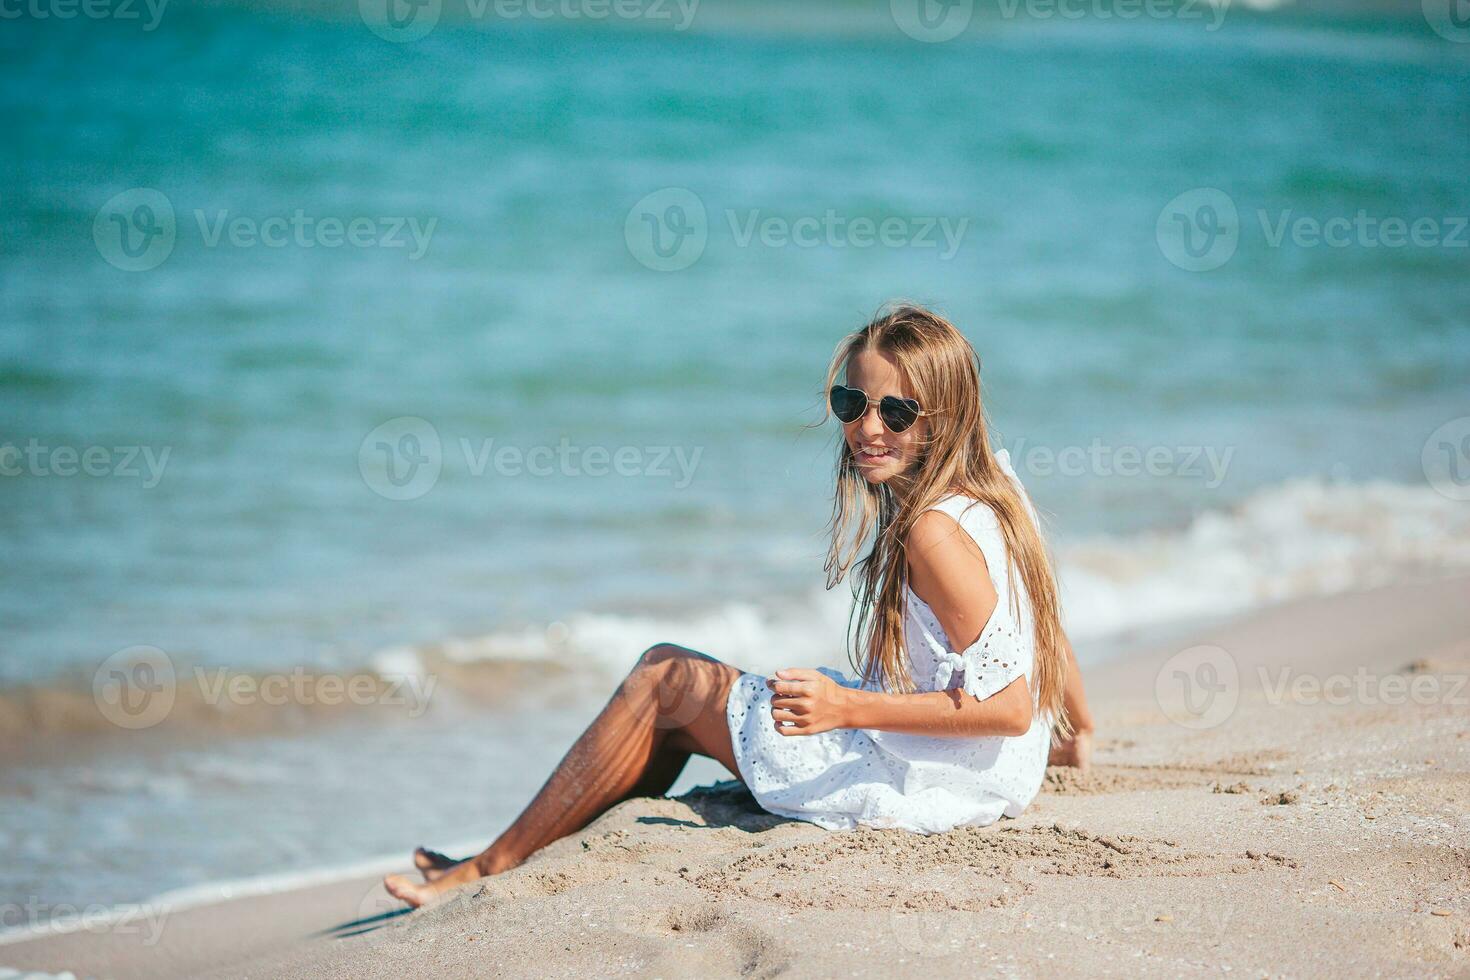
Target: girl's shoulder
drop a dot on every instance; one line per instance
(969, 512)
(974, 514)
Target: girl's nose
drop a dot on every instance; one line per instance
(870, 424)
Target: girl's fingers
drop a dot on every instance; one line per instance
(799, 705)
(781, 714)
(791, 687)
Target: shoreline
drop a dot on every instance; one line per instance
(1161, 794)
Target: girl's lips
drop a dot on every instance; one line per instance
(865, 457)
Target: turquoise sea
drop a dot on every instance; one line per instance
(502, 345)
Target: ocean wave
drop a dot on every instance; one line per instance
(1298, 539)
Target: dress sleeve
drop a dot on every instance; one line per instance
(994, 660)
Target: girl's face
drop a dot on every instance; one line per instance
(881, 455)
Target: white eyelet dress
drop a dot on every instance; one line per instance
(849, 778)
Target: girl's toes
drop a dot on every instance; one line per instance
(406, 891)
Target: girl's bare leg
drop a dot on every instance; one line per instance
(662, 773)
(671, 704)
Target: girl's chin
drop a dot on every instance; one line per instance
(880, 473)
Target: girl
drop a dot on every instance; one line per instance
(965, 671)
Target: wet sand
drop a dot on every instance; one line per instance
(1286, 794)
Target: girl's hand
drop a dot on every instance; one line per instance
(807, 702)
(1075, 751)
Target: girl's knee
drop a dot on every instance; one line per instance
(660, 655)
(660, 668)
(676, 682)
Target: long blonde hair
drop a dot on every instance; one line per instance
(943, 372)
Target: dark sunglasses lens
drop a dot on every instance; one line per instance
(847, 403)
(898, 413)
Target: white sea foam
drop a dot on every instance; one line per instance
(1302, 538)
(1297, 539)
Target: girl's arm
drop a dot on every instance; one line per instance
(952, 713)
(947, 570)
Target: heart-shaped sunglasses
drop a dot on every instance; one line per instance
(850, 404)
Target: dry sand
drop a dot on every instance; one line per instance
(1308, 832)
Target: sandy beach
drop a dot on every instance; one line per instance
(1307, 813)
(381, 379)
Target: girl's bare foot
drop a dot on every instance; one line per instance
(416, 895)
(420, 893)
(432, 863)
